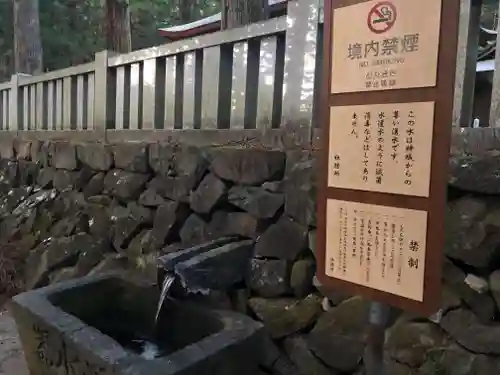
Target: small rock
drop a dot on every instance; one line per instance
(283, 317)
(248, 167)
(269, 278)
(466, 329)
(125, 185)
(209, 192)
(256, 201)
(283, 240)
(150, 198)
(298, 351)
(301, 279)
(477, 283)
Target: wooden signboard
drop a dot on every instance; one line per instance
(386, 117)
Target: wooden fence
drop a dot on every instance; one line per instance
(257, 80)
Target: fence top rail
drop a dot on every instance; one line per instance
(57, 74)
(268, 27)
(5, 86)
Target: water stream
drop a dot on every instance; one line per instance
(167, 284)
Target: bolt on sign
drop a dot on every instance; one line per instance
(387, 122)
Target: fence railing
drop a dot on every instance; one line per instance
(256, 78)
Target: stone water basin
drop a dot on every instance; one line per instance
(105, 325)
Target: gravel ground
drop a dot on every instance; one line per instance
(12, 360)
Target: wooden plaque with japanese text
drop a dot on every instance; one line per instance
(386, 124)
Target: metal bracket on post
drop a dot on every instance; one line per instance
(374, 358)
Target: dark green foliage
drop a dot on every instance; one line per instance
(72, 33)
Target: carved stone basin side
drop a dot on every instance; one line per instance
(96, 325)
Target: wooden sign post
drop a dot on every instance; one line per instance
(387, 115)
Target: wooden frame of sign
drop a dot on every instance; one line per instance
(386, 120)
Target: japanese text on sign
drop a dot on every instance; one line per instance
(385, 55)
(381, 147)
(376, 246)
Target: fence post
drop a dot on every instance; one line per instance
(14, 103)
(101, 95)
(465, 78)
(495, 90)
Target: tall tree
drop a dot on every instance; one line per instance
(117, 25)
(237, 13)
(28, 52)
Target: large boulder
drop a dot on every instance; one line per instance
(479, 173)
(256, 201)
(131, 156)
(283, 240)
(409, 342)
(209, 193)
(297, 349)
(341, 330)
(283, 317)
(471, 236)
(248, 167)
(300, 189)
(125, 185)
(167, 222)
(58, 253)
(64, 156)
(97, 156)
(469, 332)
(269, 278)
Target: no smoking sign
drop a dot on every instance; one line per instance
(382, 17)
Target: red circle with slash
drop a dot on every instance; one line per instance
(382, 17)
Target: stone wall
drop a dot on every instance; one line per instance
(72, 210)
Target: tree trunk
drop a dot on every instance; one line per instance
(28, 52)
(186, 10)
(238, 13)
(117, 25)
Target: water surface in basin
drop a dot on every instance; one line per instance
(126, 313)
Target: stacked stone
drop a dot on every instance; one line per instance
(91, 208)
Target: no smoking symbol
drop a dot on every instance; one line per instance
(382, 17)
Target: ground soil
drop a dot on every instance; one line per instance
(12, 360)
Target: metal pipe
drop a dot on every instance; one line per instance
(374, 359)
